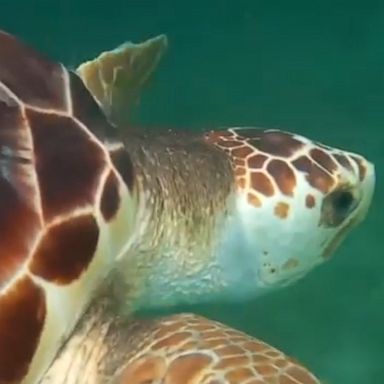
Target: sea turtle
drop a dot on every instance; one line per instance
(90, 211)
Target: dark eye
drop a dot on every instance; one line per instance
(337, 206)
(343, 202)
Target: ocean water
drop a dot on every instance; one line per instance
(313, 67)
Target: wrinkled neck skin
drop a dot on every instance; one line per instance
(99, 346)
(188, 246)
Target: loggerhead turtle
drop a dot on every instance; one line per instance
(177, 218)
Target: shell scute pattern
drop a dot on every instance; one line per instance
(49, 205)
(267, 160)
(22, 317)
(66, 249)
(188, 348)
(18, 193)
(60, 146)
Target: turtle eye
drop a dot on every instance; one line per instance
(343, 202)
(337, 206)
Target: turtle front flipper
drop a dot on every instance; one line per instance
(187, 348)
(177, 349)
(116, 78)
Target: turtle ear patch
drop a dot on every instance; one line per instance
(22, 317)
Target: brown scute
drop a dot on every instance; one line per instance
(343, 161)
(147, 370)
(110, 199)
(276, 143)
(230, 143)
(362, 168)
(241, 152)
(210, 352)
(283, 175)
(18, 226)
(68, 163)
(240, 375)
(215, 137)
(239, 162)
(22, 316)
(303, 164)
(32, 77)
(323, 159)
(257, 161)
(241, 182)
(262, 184)
(66, 250)
(320, 179)
(19, 220)
(188, 368)
(87, 110)
(123, 164)
(282, 210)
(172, 340)
(240, 171)
(316, 176)
(300, 375)
(253, 200)
(310, 201)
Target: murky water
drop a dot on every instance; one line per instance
(316, 68)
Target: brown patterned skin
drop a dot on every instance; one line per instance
(267, 162)
(176, 349)
(59, 190)
(190, 349)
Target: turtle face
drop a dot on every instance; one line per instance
(296, 201)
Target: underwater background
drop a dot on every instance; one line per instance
(312, 67)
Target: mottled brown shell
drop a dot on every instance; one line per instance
(58, 185)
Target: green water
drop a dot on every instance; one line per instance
(313, 67)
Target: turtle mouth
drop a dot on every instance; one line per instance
(341, 235)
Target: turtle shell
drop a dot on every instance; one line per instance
(59, 188)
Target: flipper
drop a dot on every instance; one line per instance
(117, 77)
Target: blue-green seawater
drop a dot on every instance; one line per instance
(313, 67)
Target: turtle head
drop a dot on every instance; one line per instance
(296, 200)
